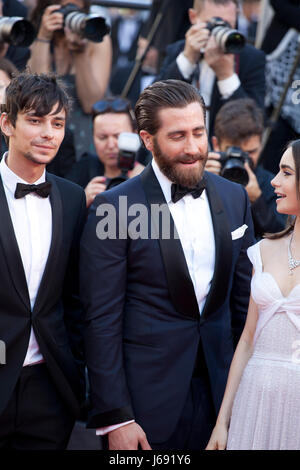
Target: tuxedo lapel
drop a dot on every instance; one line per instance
(180, 285)
(11, 250)
(52, 264)
(223, 257)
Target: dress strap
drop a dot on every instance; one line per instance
(254, 255)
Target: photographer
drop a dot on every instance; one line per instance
(94, 172)
(239, 123)
(199, 60)
(84, 65)
(17, 55)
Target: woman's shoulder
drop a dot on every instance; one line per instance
(271, 247)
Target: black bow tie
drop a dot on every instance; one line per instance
(178, 191)
(42, 189)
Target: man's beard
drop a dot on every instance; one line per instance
(180, 174)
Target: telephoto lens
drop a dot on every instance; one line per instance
(92, 27)
(230, 41)
(16, 31)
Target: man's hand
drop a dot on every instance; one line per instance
(222, 64)
(95, 186)
(128, 437)
(252, 188)
(212, 164)
(51, 21)
(195, 42)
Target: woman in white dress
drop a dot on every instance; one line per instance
(261, 404)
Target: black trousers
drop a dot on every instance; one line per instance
(36, 417)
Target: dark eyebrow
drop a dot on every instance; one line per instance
(199, 128)
(33, 114)
(283, 167)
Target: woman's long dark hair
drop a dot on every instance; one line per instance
(295, 146)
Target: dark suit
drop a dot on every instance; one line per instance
(249, 66)
(56, 317)
(143, 327)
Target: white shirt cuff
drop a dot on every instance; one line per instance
(107, 429)
(228, 86)
(185, 66)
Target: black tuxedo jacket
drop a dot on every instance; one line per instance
(143, 326)
(56, 317)
(249, 65)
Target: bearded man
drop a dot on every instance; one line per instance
(165, 297)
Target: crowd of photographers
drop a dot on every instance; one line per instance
(94, 50)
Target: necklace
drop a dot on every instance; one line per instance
(293, 263)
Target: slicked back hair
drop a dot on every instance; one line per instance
(161, 95)
(38, 92)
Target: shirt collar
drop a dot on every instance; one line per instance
(10, 179)
(166, 184)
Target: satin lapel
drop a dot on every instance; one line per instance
(11, 250)
(180, 285)
(223, 244)
(52, 264)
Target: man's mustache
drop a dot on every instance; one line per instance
(188, 158)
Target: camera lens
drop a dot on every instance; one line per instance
(235, 171)
(234, 43)
(17, 31)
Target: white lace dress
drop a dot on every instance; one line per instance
(266, 409)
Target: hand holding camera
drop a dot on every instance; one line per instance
(96, 186)
(235, 165)
(216, 41)
(195, 42)
(52, 20)
(221, 63)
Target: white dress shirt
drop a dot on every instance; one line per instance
(193, 222)
(32, 222)
(206, 80)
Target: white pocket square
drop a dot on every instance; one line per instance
(239, 232)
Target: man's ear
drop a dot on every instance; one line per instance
(215, 144)
(6, 126)
(193, 15)
(147, 139)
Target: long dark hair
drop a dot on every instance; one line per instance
(295, 146)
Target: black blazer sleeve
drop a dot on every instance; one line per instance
(73, 311)
(103, 281)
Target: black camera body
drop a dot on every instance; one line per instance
(16, 31)
(92, 27)
(129, 143)
(233, 165)
(230, 41)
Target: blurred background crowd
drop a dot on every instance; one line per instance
(250, 80)
(242, 55)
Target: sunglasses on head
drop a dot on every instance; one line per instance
(117, 104)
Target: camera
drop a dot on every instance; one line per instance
(92, 27)
(129, 144)
(16, 31)
(232, 165)
(229, 40)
